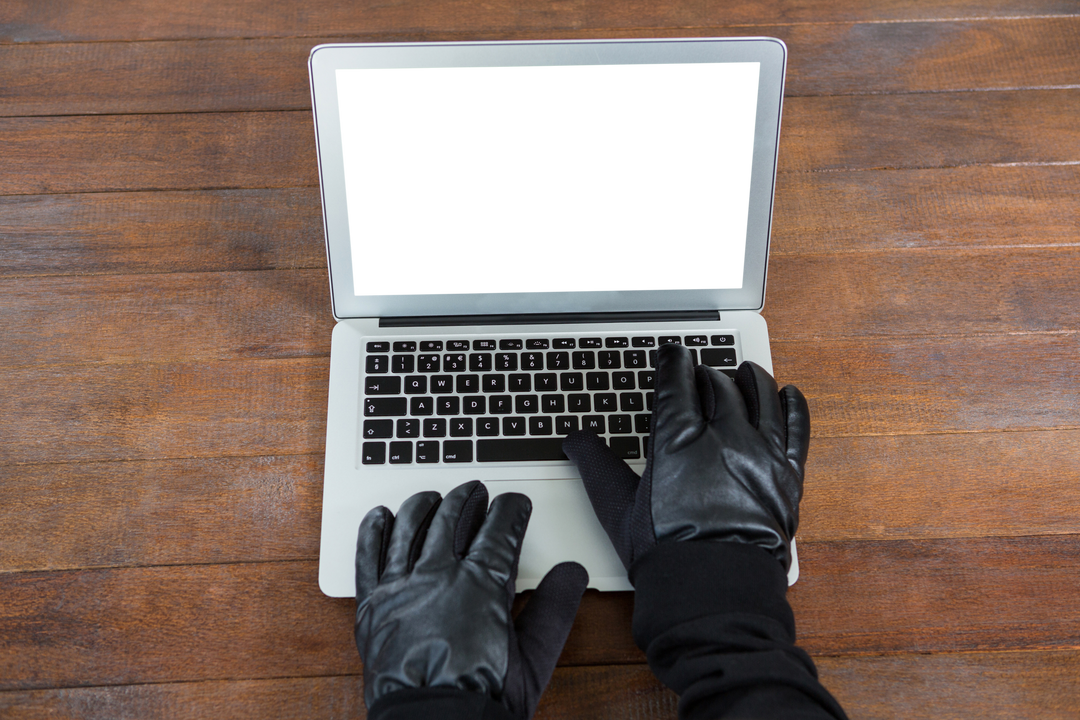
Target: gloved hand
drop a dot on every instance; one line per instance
(434, 588)
(725, 463)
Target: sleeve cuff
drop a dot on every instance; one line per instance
(437, 702)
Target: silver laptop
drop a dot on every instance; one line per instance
(512, 229)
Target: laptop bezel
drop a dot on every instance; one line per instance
(325, 60)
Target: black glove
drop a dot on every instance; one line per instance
(434, 589)
(725, 463)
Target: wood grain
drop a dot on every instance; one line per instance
(271, 74)
(265, 620)
(29, 21)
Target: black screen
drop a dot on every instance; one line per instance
(541, 178)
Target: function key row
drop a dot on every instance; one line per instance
(384, 346)
(560, 360)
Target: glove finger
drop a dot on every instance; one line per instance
(797, 413)
(372, 540)
(498, 543)
(407, 537)
(763, 403)
(721, 400)
(610, 484)
(456, 522)
(541, 629)
(677, 415)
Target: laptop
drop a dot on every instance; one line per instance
(512, 229)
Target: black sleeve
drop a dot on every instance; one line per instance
(714, 622)
(437, 702)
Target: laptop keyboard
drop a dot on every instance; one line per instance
(513, 399)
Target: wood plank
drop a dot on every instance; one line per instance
(158, 152)
(931, 292)
(265, 620)
(265, 74)
(209, 231)
(170, 512)
(929, 130)
(265, 150)
(188, 511)
(285, 313)
(1003, 686)
(224, 230)
(885, 386)
(943, 207)
(25, 21)
(179, 316)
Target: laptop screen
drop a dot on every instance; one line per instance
(547, 179)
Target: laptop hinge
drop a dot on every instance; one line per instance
(550, 318)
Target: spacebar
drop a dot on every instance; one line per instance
(519, 449)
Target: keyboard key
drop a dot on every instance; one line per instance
(405, 346)
(569, 382)
(375, 429)
(566, 424)
(536, 344)
(382, 385)
(461, 427)
(593, 423)
(506, 362)
(378, 347)
(435, 427)
(474, 405)
(385, 407)
(532, 361)
(597, 381)
(526, 404)
(457, 451)
(511, 344)
(649, 400)
(402, 364)
(723, 339)
(617, 342)
(480, 362)
(373, 453)
(545, 382)
(626, 448)
(429, 363)
(631, 402)
(500, 404)
(400, 453)
(564, 343)
(634, 359)
(484, 345)
(486, 427)
(643, 424)
(377, 364)
(579, 403)
(620, 424)
(646, 379)
(584, 360)
(519, 449)
(605, 402)
(467, 384)
(454, 362)
(553, 403)
(610, 360)
(558, 361)
(442, 384)
(449, 405)
(622, 380)
(431, 346)
(718, 357)
(427, 451)
(421, 406)
(493, 383)
(696, 340)
(408, 428)
(457, 345)
(592, 343)
(540, 425)
(643, 342)
(520, 383)
(513, 425)
(415, 385)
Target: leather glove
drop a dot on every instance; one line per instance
(434, 589)
(725, 463)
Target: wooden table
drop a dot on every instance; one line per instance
(165, 328)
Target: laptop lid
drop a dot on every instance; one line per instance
(594, 176)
